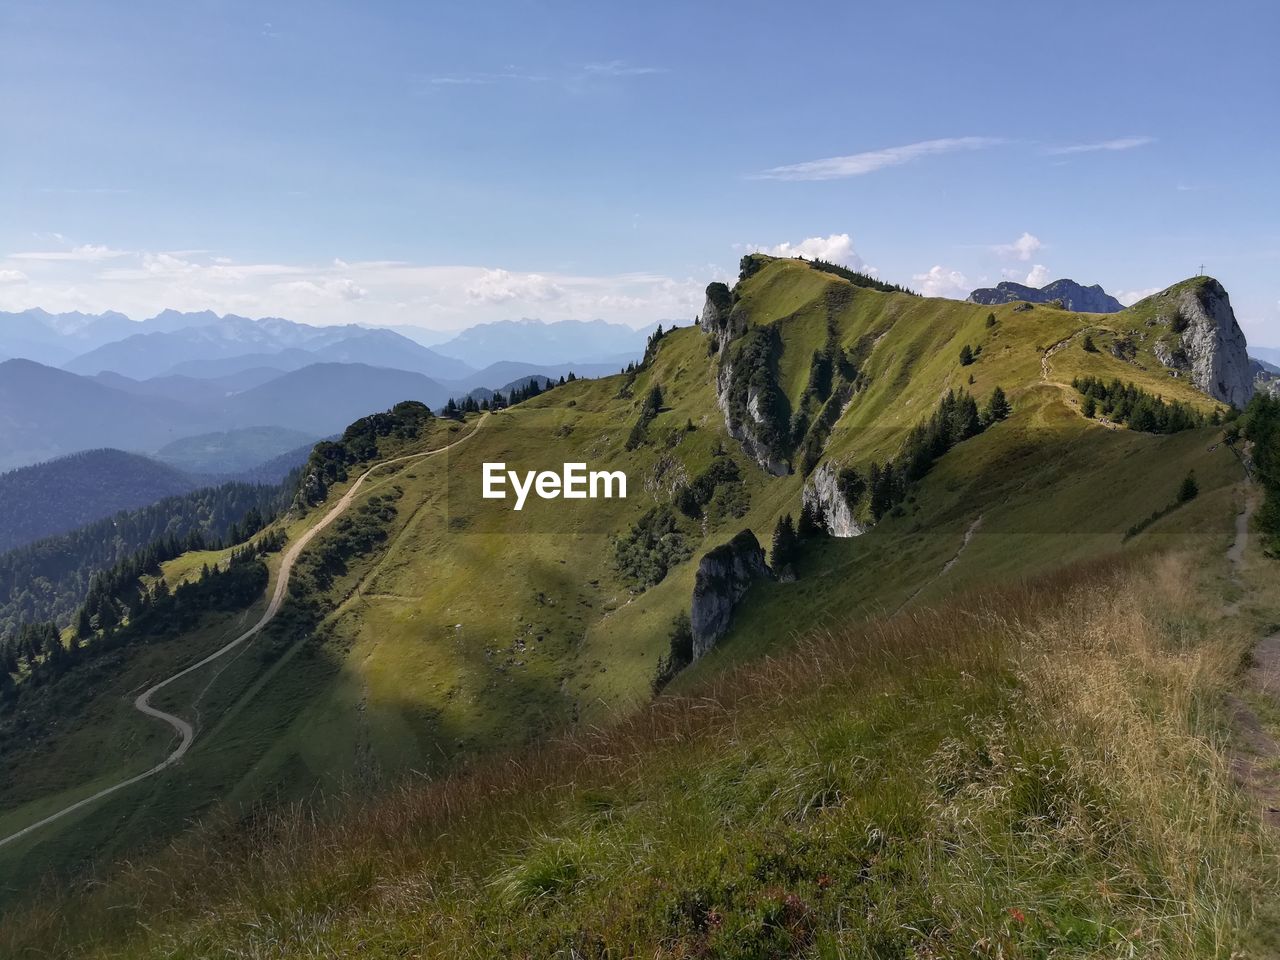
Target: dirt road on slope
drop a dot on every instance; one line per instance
(184, 729)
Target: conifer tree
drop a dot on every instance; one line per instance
(997, 407)
(785, 543)
(1190, 489)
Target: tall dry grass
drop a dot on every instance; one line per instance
(1105, 762)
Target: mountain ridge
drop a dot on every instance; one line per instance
(1074, 296)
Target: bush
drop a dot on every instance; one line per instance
(653, 545)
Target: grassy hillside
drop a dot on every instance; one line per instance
(466, 628)
(1030, 771)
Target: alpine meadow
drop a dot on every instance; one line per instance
(431, 529)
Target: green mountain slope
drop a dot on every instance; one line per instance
(437, 625)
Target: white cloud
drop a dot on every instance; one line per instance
(1130, 297)
(343, 290)
(1121, 143)
(1024, 248)
(85, 253)
(501, 286)
(858, 164)
(942, 282)
(1038, 276)
(837, 248)
(619, 68)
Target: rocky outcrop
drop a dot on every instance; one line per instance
(1205, 342)
(745, 421)
(717, 316)
(1071, 295)
(746, 430)
(723, 578)
(825, 495)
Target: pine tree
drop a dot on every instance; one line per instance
(997, 407)
(785, 544)
(1089, 345)
(812, 523)
(966, 355)
(1190, 489)
(991, 319)
(84, 630)
(1090, 407)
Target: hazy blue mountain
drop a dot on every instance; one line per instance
(277, 468)
(60, 495)
(1267, 356)
(1074, 296)
(46, 413)
(54, 338)
(385, 348)
(535, 342)
(282, 362)
(326, 397)
(510, 371)
(232, 451)
(192, 390)
(152, 354)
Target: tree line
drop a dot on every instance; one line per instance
(1136, 408)
(47, 580)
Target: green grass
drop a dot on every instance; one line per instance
(950, 783)
(477, 631)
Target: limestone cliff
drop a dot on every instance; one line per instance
(723, 577)
(827, 497)
(746, 390)
(1205, 343)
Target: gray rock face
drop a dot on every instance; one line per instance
(723, 577)
(716, 308)
(1072, 295)
(718, 322)
(1208, 345)
(822, 492)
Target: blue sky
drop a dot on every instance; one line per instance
(447, 164)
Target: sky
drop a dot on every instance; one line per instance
(448, 164)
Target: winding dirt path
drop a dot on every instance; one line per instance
(142, 703)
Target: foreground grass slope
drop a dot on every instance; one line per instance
(469, 629)
(1031, 771)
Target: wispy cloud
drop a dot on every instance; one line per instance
(1121, 143)
(569, 76)
(620, 68)
(858, 164)
(483, 78)
(84, 253)
(442, 296)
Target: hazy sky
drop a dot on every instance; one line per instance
(445, 164)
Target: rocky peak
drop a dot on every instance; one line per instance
(1205, 341)
(1072, 295)
(723, 578)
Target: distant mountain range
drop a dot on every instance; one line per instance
(532, 341)
(1074, 296)
(208, 345)
(249, 390)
